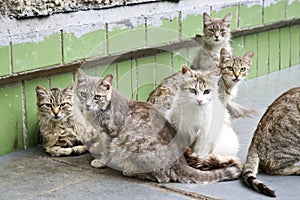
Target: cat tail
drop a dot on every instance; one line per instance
(250, 171)
(187, 174)
(212, 161)
(237, 111)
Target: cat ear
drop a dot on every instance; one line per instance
(248, 57)
(80, 74)
(69, 90)
(224, 55)
(40, 91)
(227, 19)
(206, 19)
(185, 69)
(107, 81)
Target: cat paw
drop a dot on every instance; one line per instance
(97, 163)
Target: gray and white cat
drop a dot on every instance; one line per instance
(136, 137)
(56, 122)
(200, 119)
(275, 146)
(216, 36)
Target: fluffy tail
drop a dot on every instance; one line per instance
(212, 170)
(237, 111)
(211, 162)
(250, 171)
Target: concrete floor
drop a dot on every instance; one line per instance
(32, 174)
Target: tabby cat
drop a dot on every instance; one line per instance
(200, 119)
(216, 36)
(138, 140)
(275, 146)
(234, 69)
(56, 123)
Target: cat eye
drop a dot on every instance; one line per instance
(192, 90)
(97, 97)
(229, 68)
(243, 69)
(211, 30)
(62, 105)
(206, 91)
(222, 30)
(83, 94)
(48, 105)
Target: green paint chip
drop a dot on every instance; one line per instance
(295, 45)
(274, 12)
(28, 56)
(88, 45)
(238, 46)
(167, 32)
(62, 81)
(125, 77)
(284, 48)
(250, 15)
(11, 123)
(274, 50)
(162, 67)
(250, 45)
(292, 9)
(120, 40)
(262, 53)
(192, 25)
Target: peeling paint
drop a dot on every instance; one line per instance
(82, 22)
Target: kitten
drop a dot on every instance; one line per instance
(200, 119)
(216, 36)
(275, 146)
(56, 123)
(234, 69)
(138, 140)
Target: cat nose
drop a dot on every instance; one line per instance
(88, 106)
(199, 102)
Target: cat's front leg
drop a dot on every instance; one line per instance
(200, 147)
(100, 162)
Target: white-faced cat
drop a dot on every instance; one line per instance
(56, 123)
(275, 146)
(200, 119)
(138, 140)
(216, 36)
(234, 70)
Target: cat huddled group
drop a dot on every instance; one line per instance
(183, 132)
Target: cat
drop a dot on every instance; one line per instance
(275, 146)
(56, 123)
(216, 36)
(200, 119)
(139, 141)
(234, 69)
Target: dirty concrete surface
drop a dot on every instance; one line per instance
(32, 174)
